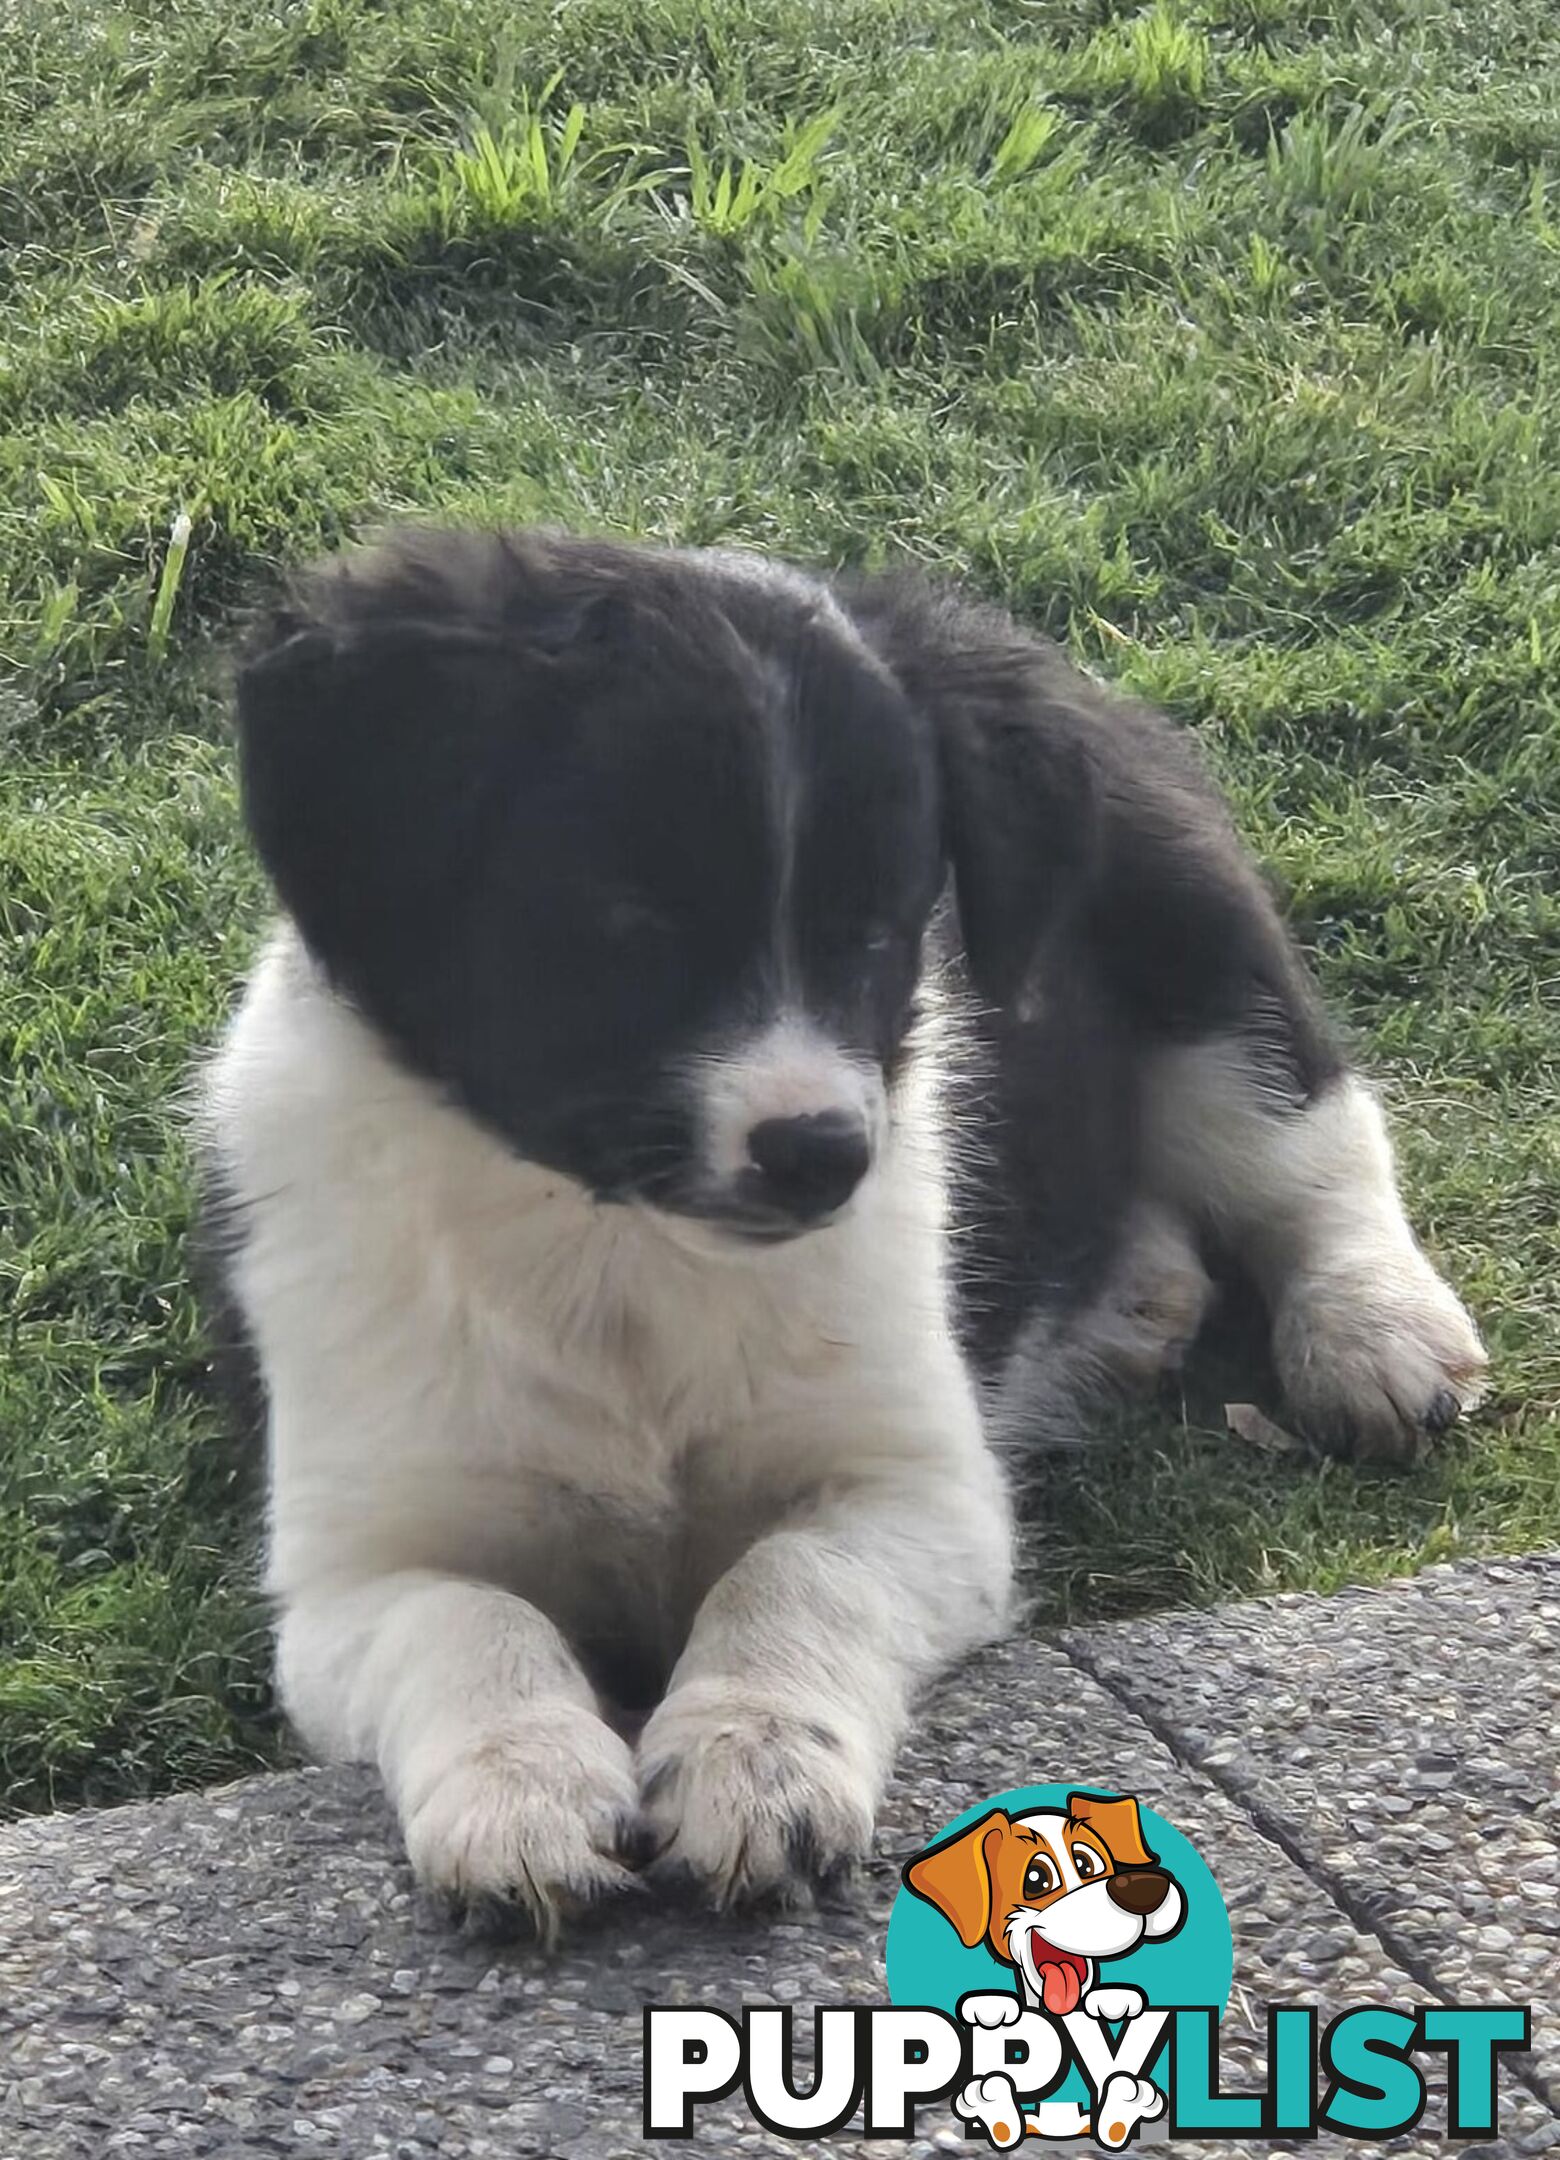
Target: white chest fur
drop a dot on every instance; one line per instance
(471, 1364)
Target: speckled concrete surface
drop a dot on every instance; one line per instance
(1404, 1743)
(247, 1972)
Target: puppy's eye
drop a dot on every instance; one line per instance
(1088, 1862)
(1039, 1878)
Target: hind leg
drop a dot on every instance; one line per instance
(1135, 1328)
(1373, 1350)
(1153, 1303)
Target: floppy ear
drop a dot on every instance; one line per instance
(1020, 818)
(380, 712)
(1118, 1825)
(1018, 821)
(956, 1877)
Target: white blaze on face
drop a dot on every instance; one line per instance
(788, 1069)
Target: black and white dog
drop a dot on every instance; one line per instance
(588, 1144)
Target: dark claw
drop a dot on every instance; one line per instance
(802, 1849)
(829, 1873)
(636, 1843)
(839, 1884)
(1445, 1409)
(484, 1918)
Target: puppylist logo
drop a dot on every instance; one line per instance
(1070, 1912)
(1058, 1964)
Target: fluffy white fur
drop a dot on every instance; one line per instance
(505, 1420)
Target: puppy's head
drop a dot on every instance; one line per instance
(631, 852)
(1052, 1892)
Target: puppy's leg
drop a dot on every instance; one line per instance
(1081, 822)
(508, 1785)
(1153, 1303)
(763, 1766)
(1371, 1346)
(1135, 1329)
(1252, 1123)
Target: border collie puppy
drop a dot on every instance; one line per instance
(584, 1138)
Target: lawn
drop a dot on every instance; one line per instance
(1222, 340)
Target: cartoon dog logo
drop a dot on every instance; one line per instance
(1054, 1894)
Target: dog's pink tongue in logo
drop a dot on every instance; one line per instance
(1061, 1975)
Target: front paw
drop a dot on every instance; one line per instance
(1375, 1354)
(751, 1793)
(535, 1815)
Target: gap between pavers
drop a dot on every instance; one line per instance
(248, 1971)
(1403, 1744)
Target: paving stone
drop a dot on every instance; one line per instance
(250, 1972)
(1403, 1743)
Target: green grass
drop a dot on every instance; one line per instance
(1221, 339)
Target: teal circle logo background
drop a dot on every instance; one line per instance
(927, 1963)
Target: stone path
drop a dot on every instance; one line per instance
(1372, 1778)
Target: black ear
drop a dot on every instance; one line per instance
(387, 710)
(363, 763)
(1021, 818)
(1020, 815)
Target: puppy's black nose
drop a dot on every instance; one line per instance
(1142, 1891)
(810, 1165)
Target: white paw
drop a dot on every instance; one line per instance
(1123, 2105)
(993, 2102)
(1374, 1352)
(534, 1814)
(1113, 2003)
(990, 2011)
(753, 1793)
